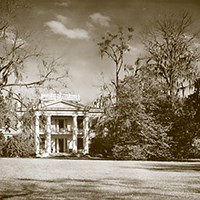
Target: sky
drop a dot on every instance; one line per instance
(71, 29)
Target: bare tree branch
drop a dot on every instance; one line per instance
(114, 46)
(170, 54)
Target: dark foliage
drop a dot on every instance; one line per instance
(186, 128)
(152, 118)
(21, 145)
(101, 146)
(2, 143)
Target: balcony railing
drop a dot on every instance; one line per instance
(63, 131)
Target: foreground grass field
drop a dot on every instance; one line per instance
(92, 179)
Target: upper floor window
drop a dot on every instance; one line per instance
(80, 122)
(61, 123)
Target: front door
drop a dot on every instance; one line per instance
(61, 145)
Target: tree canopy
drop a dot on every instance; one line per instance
(154, 117)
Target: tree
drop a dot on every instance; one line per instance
(115, 46)
(131, 125)
(2, 143)
(132, 130)
(4, 110)
(21, 145)
(16, 54)
(185, 130)
(173, 59)
(146, 123)
(171, 53)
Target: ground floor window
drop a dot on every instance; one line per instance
(80, 143)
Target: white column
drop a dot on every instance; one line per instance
(86, 137)
(48, 136)
(75, 130)
(57, 145)
(37, 133)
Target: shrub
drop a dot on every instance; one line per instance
(129, 152)
(141, 152)
(158, 152)
(21, 145)
(2, 143)
(101, 145)
(196, 151)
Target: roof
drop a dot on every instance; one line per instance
(61, 105)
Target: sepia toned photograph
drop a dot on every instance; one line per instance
(100, 99)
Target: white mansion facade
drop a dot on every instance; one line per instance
(62, 124)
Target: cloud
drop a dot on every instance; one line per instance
(41, 12)
(58, 28)
(133, 50)
(64, 3)
(100, 19)
(90, 26)
(137, 49)
(62, 19)
(197, 44)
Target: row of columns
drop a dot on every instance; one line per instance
(48, 134)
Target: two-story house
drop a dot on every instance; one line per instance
(62, 124)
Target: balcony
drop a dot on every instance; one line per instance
(59, 131)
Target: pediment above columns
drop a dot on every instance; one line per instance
(62, 105)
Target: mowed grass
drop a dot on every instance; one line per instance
(93, 179)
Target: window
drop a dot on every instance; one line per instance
(61, 123)
(80, 122)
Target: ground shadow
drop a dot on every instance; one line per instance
(72, 189)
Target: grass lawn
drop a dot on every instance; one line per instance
(98, 179)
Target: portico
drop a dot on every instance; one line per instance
(61, 126)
